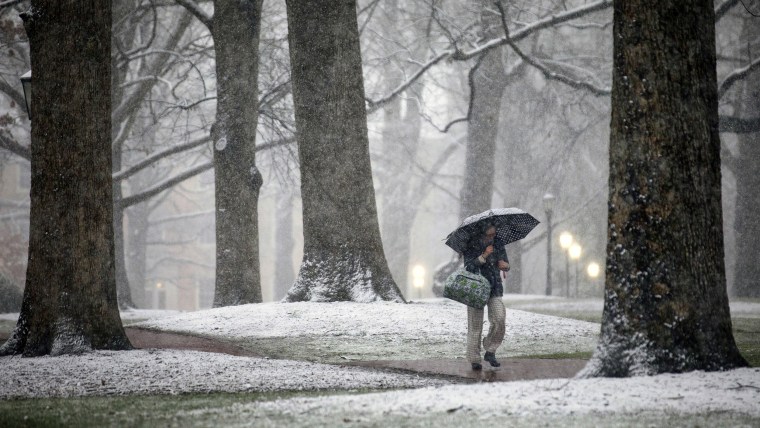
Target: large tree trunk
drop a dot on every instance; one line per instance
(237, 24)
(343, 254)
(284, 275)
(119, 70)
(747, 278)
(402, 124)
(487, 83)
(69, 303)
(401, 135)
(666, 306)
(123, 291)
(136, 250)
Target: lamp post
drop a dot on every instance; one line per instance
(418, 279)
(26, 84)
(565, 241)
(575, 254)
(548, 209)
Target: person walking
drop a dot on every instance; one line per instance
(486, 255)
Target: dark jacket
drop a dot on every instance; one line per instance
(490, 269)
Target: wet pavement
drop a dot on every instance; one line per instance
(511, 368)
(143, 339)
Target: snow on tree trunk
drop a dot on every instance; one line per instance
(666, 307)
(747, 278)
(343, 254)
(69, 303)
(236, 39)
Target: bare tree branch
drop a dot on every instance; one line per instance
(549, 74)
(532, 28)
(739, 125)
(119, 114)
(9, 3)
(724, 7)
(166, 184)
(158, 156)
(376, 104)
(737, 75)
(456, 55)
(12, 93)
(160, 187)
(9, 143)
(199, 13)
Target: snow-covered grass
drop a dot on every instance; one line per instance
(182, 372)
(736, 392)
(433, 328)
(335, 332)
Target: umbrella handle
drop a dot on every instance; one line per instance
(503, 275)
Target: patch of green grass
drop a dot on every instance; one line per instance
(747, 336)
(137, 410)
(229, 410)
(6, 327)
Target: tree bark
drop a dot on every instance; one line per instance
(666, 306)
(343, 254)
(237, 24)
(487, 85)
(69, 303)
(747, 270)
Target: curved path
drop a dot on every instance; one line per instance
(511, 368)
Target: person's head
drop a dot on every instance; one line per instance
(488, 233)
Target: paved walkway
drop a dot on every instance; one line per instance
(142, 338)
(511, 368)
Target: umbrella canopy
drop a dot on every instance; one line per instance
(511, 224)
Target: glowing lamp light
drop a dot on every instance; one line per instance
(159, 285)
(575, 251)
(418, 276)
(593, 269)
(565, 240)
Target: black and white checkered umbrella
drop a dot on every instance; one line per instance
(512, 224)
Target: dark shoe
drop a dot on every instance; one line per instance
(477, 366)
(491, 358)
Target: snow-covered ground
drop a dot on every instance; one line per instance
(335, 332)
(736, 391)
(339, 331)
(536, 302)
(177, 372)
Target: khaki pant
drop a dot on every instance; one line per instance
(496, 319)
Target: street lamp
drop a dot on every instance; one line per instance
(548, 209)
(593, 270)
(26, 84)
(575, 254)
(565, 241)
(418, 279)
